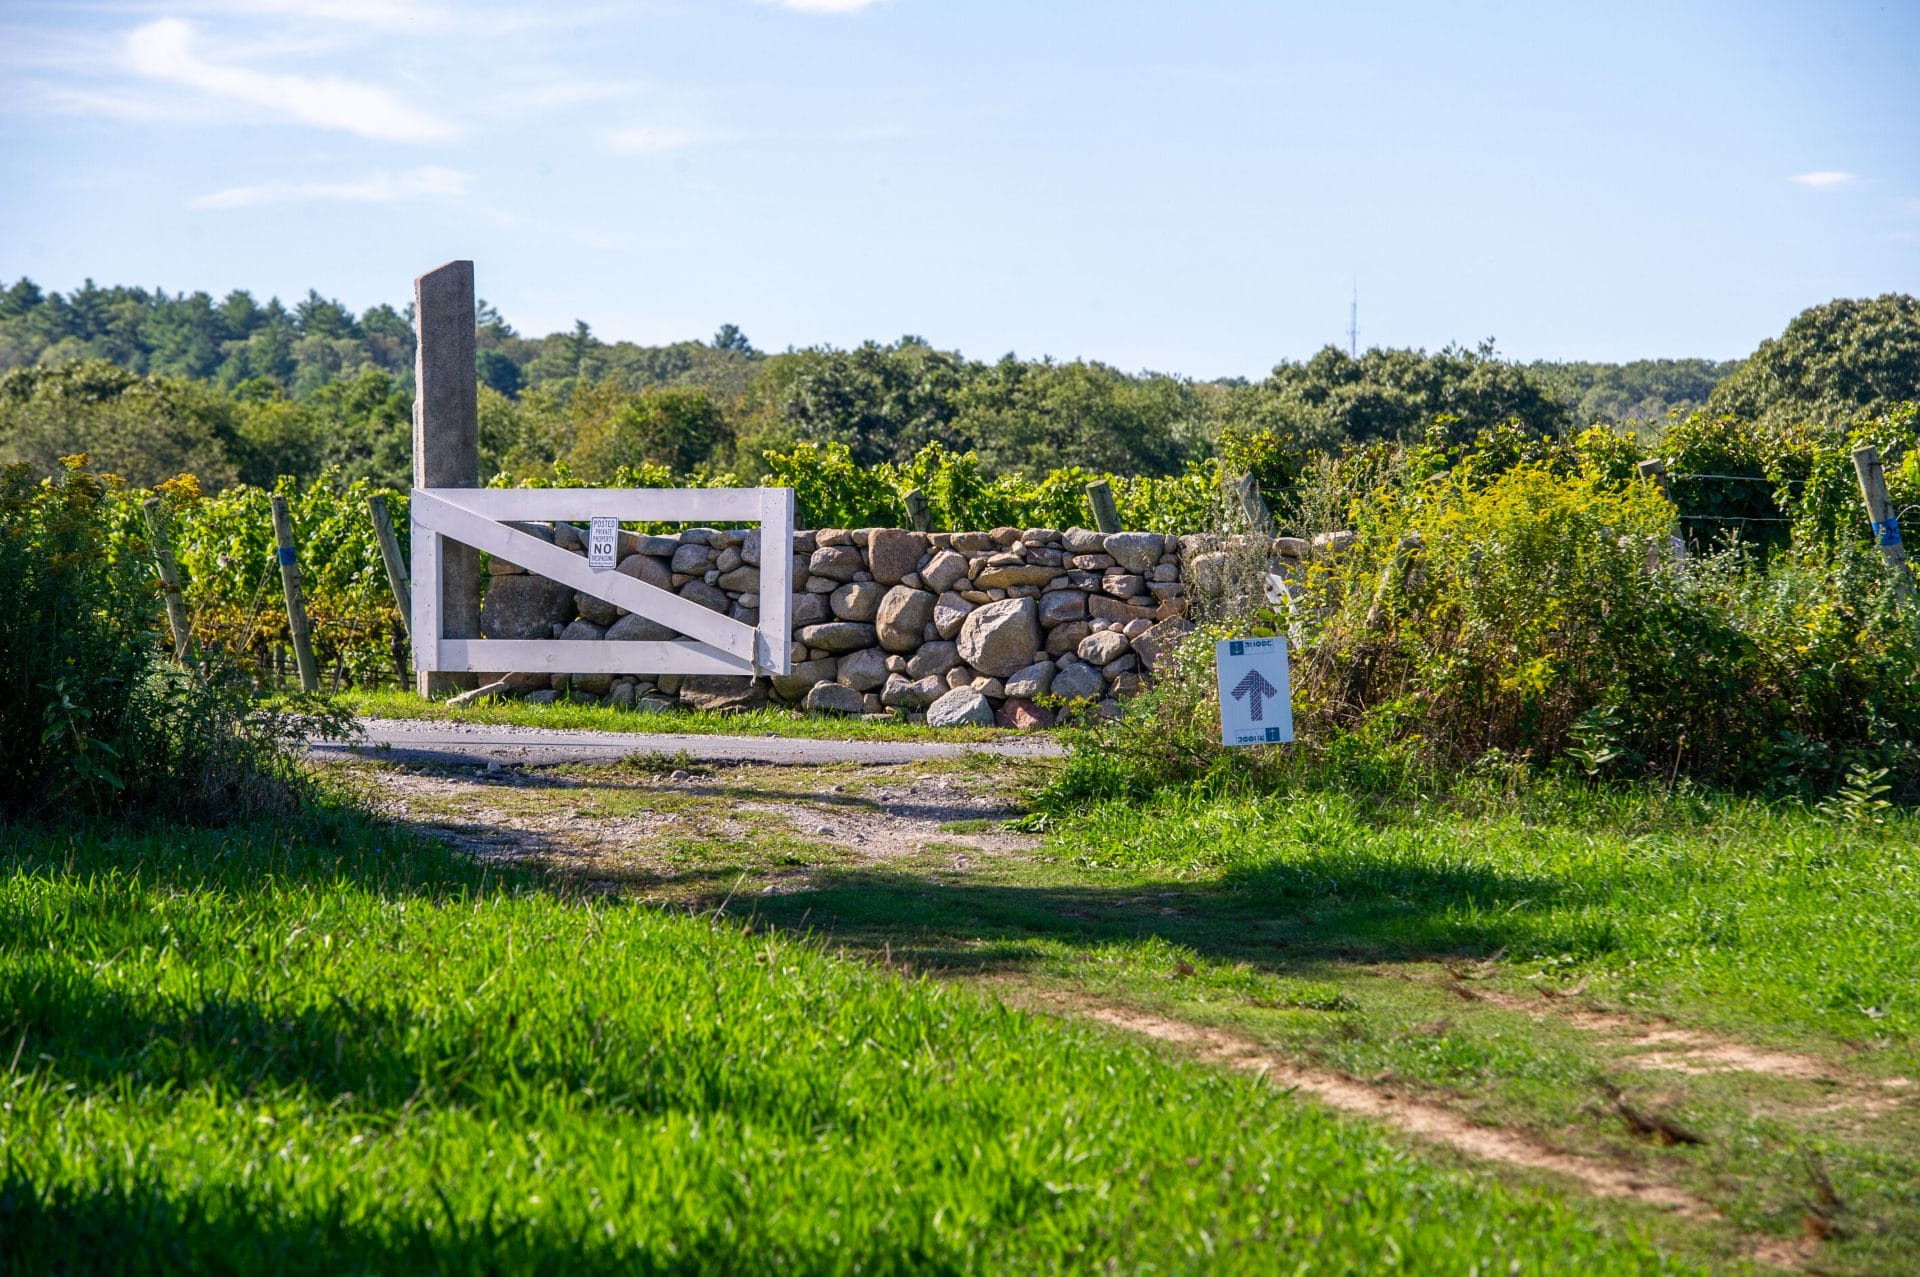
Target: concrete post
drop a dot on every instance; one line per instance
(446, 439)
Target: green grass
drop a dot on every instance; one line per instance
(1321, 924)
(601, 718)
(1745, 914)
(329, 1048)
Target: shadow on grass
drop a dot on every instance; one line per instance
(1265, 919)
(329, 844)
(143, 1227)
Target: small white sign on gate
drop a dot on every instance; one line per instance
(603, 544)
(1256, 697)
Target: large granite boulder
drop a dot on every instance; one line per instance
(999, 638)
(1078, 683)
(1159, 643)
(950, 612)
(1101, 648)
(857, 600)
(837, 636)
(864, 670)
(1134, 551)
(647, 569)
(707, 596)
(792, 686)
(961, 707)
(635, 628)
(1032, 681)
(834, 698)
(723, 691)
(809, 608)
(835, 562)
(912, 694)
(893, 553)
(934, 657)
(903, 618)
(1060, 606)
(1023, 715)
(597, 610)
(525, 607)
(943, 570)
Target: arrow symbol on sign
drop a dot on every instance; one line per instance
(1254, 689)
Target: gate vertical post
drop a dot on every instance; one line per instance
(446, 453)
(774, 648)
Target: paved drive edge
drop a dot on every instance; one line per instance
(470, 744)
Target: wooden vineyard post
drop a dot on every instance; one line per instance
(177, 619)
(1106, 515)
(296, 601)
(917, 512)
(1880, 513)
(446, 454)
(390, 554)
(1655, 469)
(1253, 505)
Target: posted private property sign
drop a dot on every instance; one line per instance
(1256, 698)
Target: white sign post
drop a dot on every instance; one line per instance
(1256, 697)
(603, 540)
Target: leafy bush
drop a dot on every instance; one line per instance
(1543, 601)
(90, 720)
(1539, 614)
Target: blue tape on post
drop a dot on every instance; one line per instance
(286, 556)
(1886, 531)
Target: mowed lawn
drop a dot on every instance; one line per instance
(325, 1048)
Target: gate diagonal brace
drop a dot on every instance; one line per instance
(432, 512)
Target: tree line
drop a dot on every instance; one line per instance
(153, 384)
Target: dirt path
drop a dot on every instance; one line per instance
(632, 830)
(874, 816)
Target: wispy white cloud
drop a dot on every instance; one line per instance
(824, 6)
(654, 140)
(651, 140)
(1825, 179)
(554, 94)
(380, 188)
(166, 51)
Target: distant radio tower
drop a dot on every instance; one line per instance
(1353, 325)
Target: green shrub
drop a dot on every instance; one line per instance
(90, 720)
(1539, 614)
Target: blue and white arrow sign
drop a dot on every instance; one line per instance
(1256, 698)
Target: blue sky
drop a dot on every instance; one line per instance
(1190, 187)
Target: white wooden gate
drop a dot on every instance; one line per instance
(714, 644)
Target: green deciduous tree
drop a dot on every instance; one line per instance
(1833, 365)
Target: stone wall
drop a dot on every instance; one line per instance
(1007, 626)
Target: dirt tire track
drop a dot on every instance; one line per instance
(1661, 1045)
(1419, 1118)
